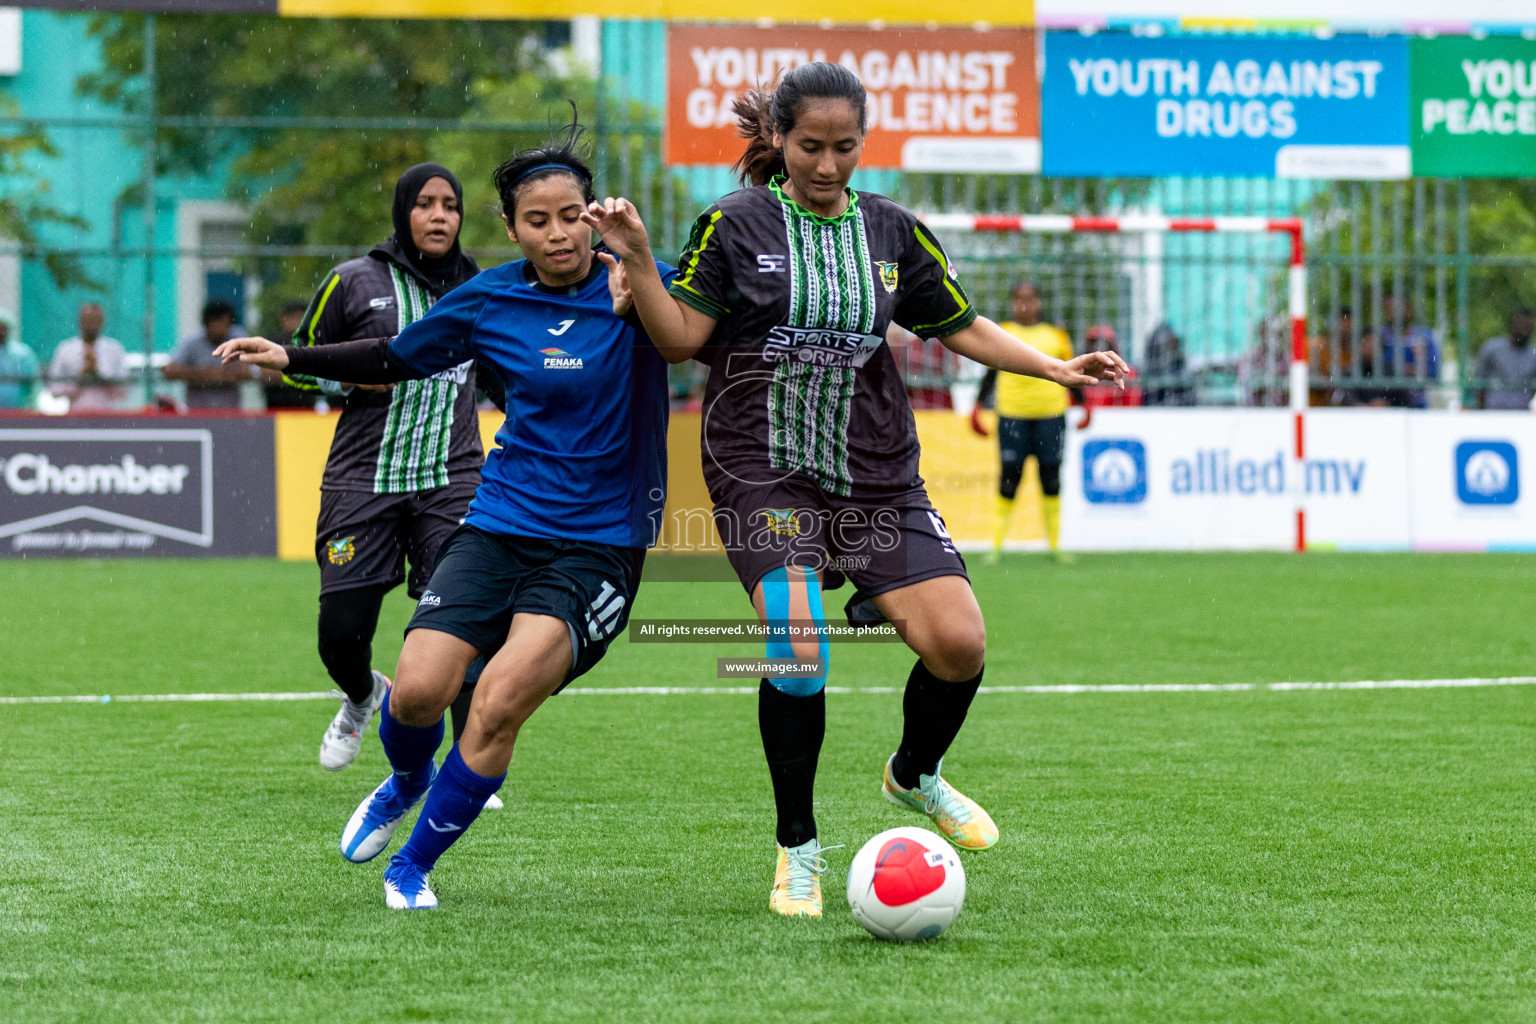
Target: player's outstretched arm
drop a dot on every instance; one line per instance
(992, 346)
(365, 361)
(268, 355)
(677, 329)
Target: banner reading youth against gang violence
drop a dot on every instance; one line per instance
(1474, 107)
(939, 99)
(1232, 106)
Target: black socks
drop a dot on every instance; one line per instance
(933, 711)
(347, 621)
(458, 711)
(792, 729)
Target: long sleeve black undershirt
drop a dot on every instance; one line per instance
(365, 361)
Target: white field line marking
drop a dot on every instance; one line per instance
(713, 691)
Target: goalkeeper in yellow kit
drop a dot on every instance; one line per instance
(1031, 419)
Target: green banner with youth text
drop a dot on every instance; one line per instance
(1473, 107)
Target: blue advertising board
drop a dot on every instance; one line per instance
(1234, 106)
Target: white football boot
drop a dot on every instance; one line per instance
(344, 738)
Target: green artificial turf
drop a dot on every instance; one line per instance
(1235, 856)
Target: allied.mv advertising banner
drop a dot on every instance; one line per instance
(1235, 106)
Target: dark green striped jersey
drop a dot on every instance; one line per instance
(419, 434)
(801, 379)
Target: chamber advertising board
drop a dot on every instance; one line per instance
(102, 487)
(939, 99)
(1259, 106)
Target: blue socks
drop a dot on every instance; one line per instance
(452, 805)
(410, 751)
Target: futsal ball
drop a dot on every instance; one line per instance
(906, 885)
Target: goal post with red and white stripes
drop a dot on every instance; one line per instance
(1056, 224)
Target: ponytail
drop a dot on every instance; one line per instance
(762, 160)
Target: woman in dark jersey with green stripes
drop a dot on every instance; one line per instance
(810, 448)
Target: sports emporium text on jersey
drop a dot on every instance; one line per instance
(819, 347)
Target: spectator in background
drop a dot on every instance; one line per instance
(18, 366)
(1102, 338)
(1166, 383)
(290, 319)
(280, 395)
(1263, 372)
(1355, 362)
(88, 368)
(210, 384)
(1506, 366)
(1408, 350)
(922, 364)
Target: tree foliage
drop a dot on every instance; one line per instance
(26, 204)
(1375, 237)
(331, 186)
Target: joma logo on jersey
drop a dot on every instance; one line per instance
(340, 552)
(889, 274)
(560, 359)
(820, 348)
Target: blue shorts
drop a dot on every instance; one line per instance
(482, 579)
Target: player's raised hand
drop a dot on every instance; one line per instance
(618, 283)
(253, 351)
(1093, 368)
(619, 223)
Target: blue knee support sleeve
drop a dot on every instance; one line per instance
(776, 591)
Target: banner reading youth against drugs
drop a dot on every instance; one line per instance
(939, 99)
(1235, 106)
(1474, 107)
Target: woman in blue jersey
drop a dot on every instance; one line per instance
(542, 574)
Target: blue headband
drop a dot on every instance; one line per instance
(567, 168)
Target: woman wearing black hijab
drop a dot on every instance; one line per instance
(405, 459)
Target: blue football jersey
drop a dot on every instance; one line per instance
(582, 454)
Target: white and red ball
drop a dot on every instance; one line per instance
(906, 885)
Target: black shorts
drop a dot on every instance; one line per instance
(1018, 439)
(880, 543)
(364, 540)
(483, 579)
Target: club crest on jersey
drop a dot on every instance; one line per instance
(560, 359)
(888, 275)
(340, 552)
(784, 522)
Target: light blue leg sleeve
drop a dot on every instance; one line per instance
(776, 591)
